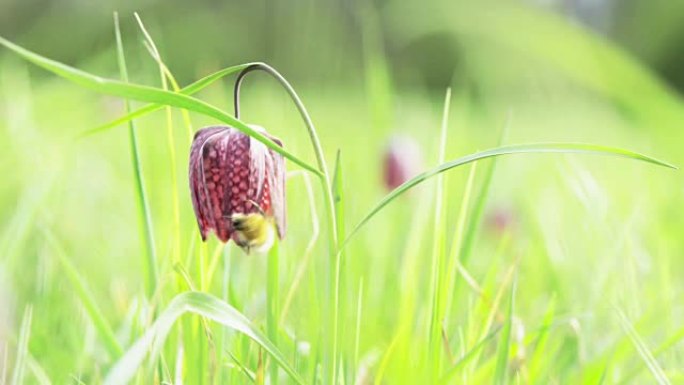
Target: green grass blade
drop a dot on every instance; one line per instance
(87, 300)
(272, 300)
(339, 281)
(500, 374)
(189, 90)
(22, 347)
(144, 215)
(559, 148)
(480, 203)
(164, 73)
(205, 305)
(436, 289)
(468, 356)
(454, 262)
(149, 94)
(642, 349)
(671, 341)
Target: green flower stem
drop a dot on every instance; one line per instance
(331, 217)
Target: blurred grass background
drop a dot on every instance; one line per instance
(591, 234)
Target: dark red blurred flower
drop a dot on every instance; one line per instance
(230, 172)
(402, 161)
(501, 220)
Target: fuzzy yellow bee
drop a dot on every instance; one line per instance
(253, 231)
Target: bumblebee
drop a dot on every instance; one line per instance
(253, 231)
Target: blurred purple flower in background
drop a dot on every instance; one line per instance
(403, 159)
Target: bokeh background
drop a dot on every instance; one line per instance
(594, 233)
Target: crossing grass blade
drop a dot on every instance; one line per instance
(468, 356)
(22, 347)
(202, 304)
(191, 89)
(554, 148)
(150, 94)
(642, 349)
(480, 202)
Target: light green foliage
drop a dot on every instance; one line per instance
(475, 277)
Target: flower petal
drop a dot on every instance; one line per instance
(198, 192)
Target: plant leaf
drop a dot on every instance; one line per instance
(205, 305)
(561, 148)
(22, 347)
(149, 94)
(191, 89)
(468, 356)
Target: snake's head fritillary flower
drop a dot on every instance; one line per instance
(238, 187)
(402, 161)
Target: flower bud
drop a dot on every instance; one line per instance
(402, 161)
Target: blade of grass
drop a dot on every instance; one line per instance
(455, 264)
(338, 289)
(480, 201)
(468, 356)
(144, 215)
(205, 305)
(669, 343)
(357, 329)
(437, 276)
(89, 303)
(385, 361)
(22, 347)
(191, 89)
(500, 374)
(642, 349)
(565, 148)
(164, 73)
(248, 373)
(272, 301)
(150, 94)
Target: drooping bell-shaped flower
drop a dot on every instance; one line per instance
(237, 186)
(402, 160)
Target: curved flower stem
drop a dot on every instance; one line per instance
(315, 142)
(330, 362)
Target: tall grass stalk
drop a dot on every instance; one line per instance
(436, 296)
(144, 216)
(22, 347)
(272, 304)
(173, 165)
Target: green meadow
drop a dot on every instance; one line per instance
(541, 242)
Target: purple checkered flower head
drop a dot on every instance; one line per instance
(238, 187)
